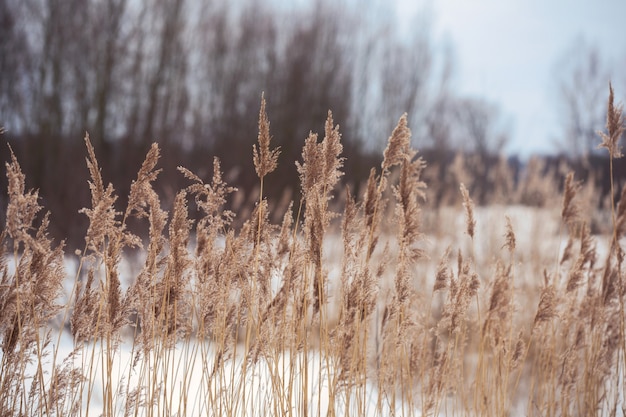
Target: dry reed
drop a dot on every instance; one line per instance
(250, 321)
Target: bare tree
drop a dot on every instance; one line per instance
(190, 75)
(582, 80)
(480, 127)
(14, 62)
(392, 75)
(439, 119)
(167, 96)
(108, 34)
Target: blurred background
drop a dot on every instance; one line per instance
(496, 82)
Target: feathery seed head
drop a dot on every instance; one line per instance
(398, 146)
(265, 160)
(509, 236)
(470, 222)
(614, 126)
(570, 212)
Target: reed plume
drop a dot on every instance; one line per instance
(327, 312)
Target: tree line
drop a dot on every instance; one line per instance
(190, 74)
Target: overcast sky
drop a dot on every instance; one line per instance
(506, 51)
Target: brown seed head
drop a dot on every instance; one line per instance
(469, 211)
(614, 126)
(265, 160)
(398, 146)
(509, 236)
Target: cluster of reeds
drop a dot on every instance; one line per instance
(219, 321)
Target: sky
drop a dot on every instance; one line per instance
(507, 51)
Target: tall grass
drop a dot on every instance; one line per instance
(266, 320)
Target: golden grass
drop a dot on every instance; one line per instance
(224, 322)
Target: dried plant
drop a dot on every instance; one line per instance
(509, 236)
(28, 296)
(308, 315)
(614, 126)
(319, 172)
(265, 160)
(546, 310)
(470, 222)
(570, 212)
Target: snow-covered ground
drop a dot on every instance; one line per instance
(270, 386)
(183, 385)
